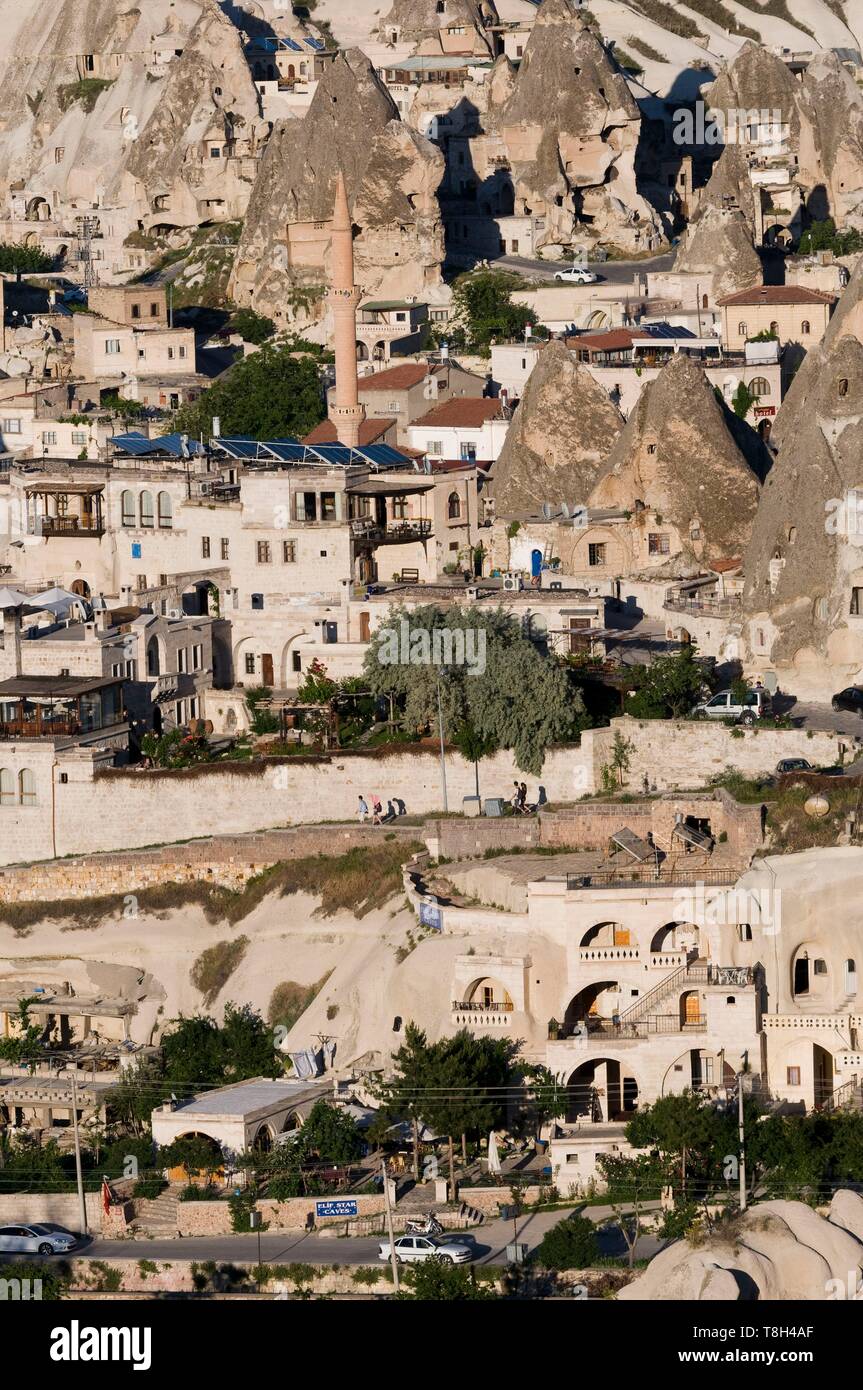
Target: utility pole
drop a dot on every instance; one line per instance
(741, 1138)
(442, 757)
(393, 1260)
(82, 1205)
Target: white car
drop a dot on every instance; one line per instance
(577, 275)
(410, 1248)
(36, 1240)
(756, 705)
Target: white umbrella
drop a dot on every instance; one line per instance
(49, 597)
(13, 598)
(493, 1155)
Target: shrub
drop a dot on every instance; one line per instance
(571, 1244)
(149, 1185)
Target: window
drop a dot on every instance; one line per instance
(296, 661)
(289, 552)
(136, 311)
(49, 436)
(182, 660)
(805, 328)
(435, 447)
(197, 657)
(166, 511)
(856, 609)
(127, 508)
(400, 508)
(170, 354)
(215, 152)
(257, 601)
(112, 346)
(225, 548)
(154, 311)
(7, 787)
(79, 437)
(328, 506)
(744, 931)
(468, 453)
(596, 554)
(59, 154)
(250, 663)
(453, 506)
(792, 1076)
(843, 387)
(26, 787)
(820, 967)
(393, 407)
(263, 552)
(146, 506)
(657, 543)
(742, 329)
(205, 547)
(759, 386)
(12, 426)
(182, 351)
(731, 999)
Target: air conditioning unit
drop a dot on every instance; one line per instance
(206, 489)
(511, 583)
(174, 613)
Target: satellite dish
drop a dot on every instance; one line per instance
(816, 806)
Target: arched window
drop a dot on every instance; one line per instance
(742, 329)
(26, 787)
(146, 505)
(7, 787)
(166, 511)
(454, 506)
(127, 507)
(804, 327)
(759, 386)
(843, 386)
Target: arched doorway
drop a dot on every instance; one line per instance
(263, 1140)
(536, 563)
(764, 428)
(601, 1089)
(595, 1002)
(80, 587)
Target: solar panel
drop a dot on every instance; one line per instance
(289, 451)
(332, 453)
(292, 45)
(385, 456)
(239, 448)
(316, 44)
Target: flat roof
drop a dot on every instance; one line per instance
(54, 685)
(257, 1094)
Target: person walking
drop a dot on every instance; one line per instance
(362, 810)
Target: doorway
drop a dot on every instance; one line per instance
(365, 627)
(267, 669)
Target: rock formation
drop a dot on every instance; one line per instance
(426, 22)
(757, 80)
(805, 559)
(718, 248)
(831, 139)
(774, 1251)
(682, 456)
(562, 430)
(392, 175)
(209, 102)
(570, 129)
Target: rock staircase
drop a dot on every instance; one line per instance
(156, 1216)
(692, 971)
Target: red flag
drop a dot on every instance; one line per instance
(106, 1196)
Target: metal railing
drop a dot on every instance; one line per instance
(640, 874)
(476, 1008)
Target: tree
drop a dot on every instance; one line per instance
(631, 1181)
(194, 1152)
(742, 400)
(269, 395)
(571, 1244)
(140, 1089)
(491, 675)
(198, 1052)
(683, 1130)
(252, 327)
(404, 1093)
(441, 1282)
(667, 688)
(545, 1098)
(15, 256)
(26, 1047)
(484, 309)
(473, 747)
(330, 1135)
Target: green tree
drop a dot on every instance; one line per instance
(490, 675)
(253, 328)
(438, 1281)
(15, 256)
(26, 1046)
(402, 1095)
(198, 1052)
(571, 1244)
(195, 1153)
(270, 394)
(630, 1182)
(742, 400)
(473, 747)
(684, 1131)
(467, 1081)
(667, 688)
(330, 1135)
(483, 308)
(545, 1098)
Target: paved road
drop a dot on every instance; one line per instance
(609, 272)
(490, 1242)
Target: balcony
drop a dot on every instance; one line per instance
(598, 955)
(605, 1030)
(391, 532)
(640, 876)
(69, 526)
(478, 1015)
(681, 602)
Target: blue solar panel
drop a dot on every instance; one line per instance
(385, 456)
(239, 448)
(294, 47)
(333, 453)
(666, 330)
(290, 452)
(132, 443)
(316, 44)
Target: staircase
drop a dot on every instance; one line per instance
(848, 1096)
(694, 972)
(156, 1216)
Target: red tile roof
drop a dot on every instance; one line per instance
(778, 294)
(399, 378)
(615, 340)
(469, 412)
(370, 432)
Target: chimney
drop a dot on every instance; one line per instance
(12, 642)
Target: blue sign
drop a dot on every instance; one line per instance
(347, 1207)
(136, 550)
(431, 917)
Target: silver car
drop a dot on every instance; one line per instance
(756, 704)
(411, 1248)
(36, 1240)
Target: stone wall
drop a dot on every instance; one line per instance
(294, 1214)
(60, 1207)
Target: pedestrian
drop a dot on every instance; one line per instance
(377, 809)
(391, 811)
(522, 792)
(516, 799)
(362, 810)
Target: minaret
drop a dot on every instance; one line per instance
(345, 412)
